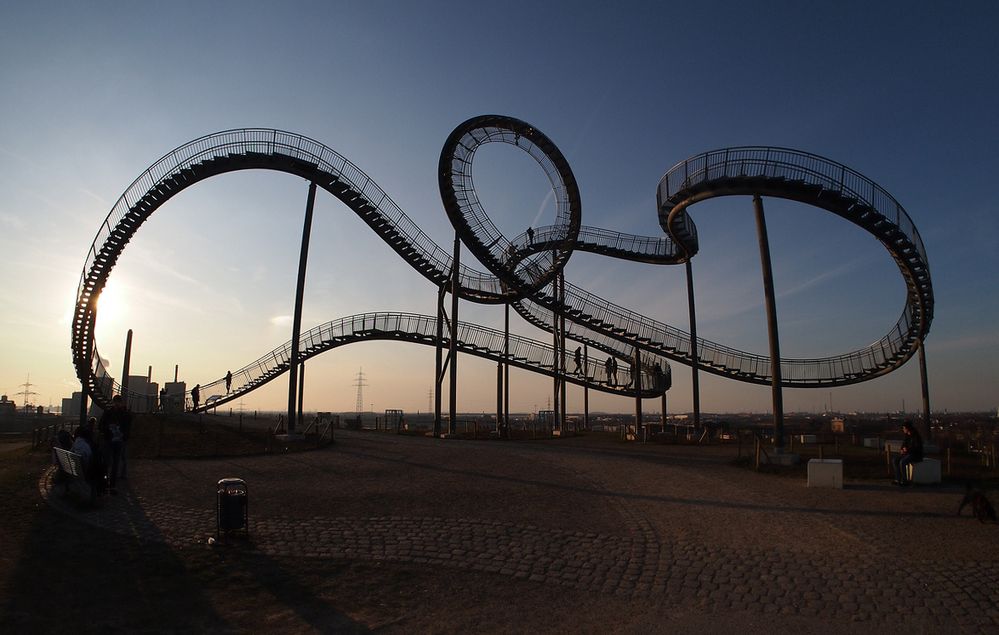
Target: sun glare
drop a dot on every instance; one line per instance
(111, 305)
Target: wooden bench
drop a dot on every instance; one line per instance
(72, 466)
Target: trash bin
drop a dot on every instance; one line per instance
(231, 512)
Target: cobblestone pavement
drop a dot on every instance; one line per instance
(643, 522)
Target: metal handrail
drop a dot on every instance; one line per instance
(857, 194)
(413, 327)
(597, 320)
(788, 163)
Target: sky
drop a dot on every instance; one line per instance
(906, 93)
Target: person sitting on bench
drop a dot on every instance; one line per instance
(911, 452)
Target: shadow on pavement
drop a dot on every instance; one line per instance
(692, 501)
(60, 572)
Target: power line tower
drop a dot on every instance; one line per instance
(430, 400)
(360, 383)
(27, 392)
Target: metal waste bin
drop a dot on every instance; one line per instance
(231, 511)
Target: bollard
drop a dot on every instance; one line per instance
(820, 452)
(757, 454)
(948, 461)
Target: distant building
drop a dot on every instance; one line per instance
(173, 397)
(142, 394)
(7, 407)
(71, 405)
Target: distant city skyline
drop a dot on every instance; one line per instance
(209, 281)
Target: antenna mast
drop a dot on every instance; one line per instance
(359, 383)
(27, 392)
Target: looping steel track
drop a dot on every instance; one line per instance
(520, 267)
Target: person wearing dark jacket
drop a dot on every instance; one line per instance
(115, 427)
(911, 452)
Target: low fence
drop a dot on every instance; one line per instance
(45, 436)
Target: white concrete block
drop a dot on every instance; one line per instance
(926, 472)
(825, 473)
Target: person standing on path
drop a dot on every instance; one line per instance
(115, 427)
(578, 358)
(196, 396)
(228, 381)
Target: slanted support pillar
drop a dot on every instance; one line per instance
(695, 384)
(296, 329)
(924, 381)
(125, 369)
(768, 290)
(89, 360)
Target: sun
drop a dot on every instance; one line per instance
(111, 305)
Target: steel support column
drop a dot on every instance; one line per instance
(296, 329)
(768, 290)
(562, 370)
(499, 395)
(924, 381)
(439, 367)
(555, 356)
(453, 353)
(694, 360)
(84, 386)
(586, 387)
(506, 368)
(636, 375)
(125, 369)
(301, 393)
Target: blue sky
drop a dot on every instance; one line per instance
(905, 93)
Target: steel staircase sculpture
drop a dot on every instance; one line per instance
(826, 184)
(473, 339)
(521, 268)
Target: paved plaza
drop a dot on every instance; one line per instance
(677, 532)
